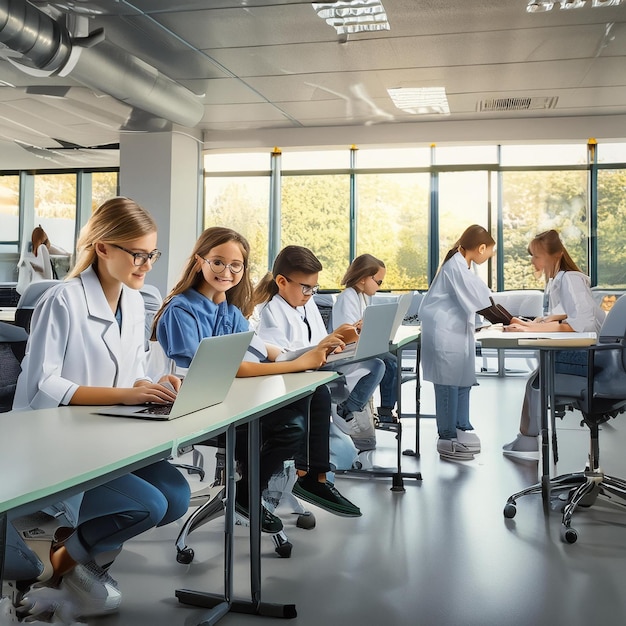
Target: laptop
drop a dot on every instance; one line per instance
(207, 382)
(378, 320)
(404, 302)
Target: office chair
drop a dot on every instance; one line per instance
(599, 396)
(28, 300)
(12, 347)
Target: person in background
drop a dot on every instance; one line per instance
(213, 298)
(569, 306)
(448, 318)
(289, 318)
(362, 280)
(86, 347)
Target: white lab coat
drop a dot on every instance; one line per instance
(448, 319)
(349, 306)
(282, 325)
(569, 293)
(76, 341)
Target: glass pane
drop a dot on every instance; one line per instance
(9, 212)
(315, 214)
(533, 155)
(611, 228)
(392, 224)
(453, 155)
(393, 157)
(241, 203)
(315, 160)
(537, 201)
(237, 162)
(463, 201)
(55, 211)
(104, 185)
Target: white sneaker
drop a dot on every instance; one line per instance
(95, 591)
(522, 447)
(469, 439)
(453, 450)
(348, 428)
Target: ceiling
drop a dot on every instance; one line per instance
(273, 64)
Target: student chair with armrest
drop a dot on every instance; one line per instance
(599, 396)
(28, 300)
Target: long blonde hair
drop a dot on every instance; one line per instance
(550, 242)
(240, 295)
(117, 220)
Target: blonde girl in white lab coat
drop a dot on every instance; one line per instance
(568, 307)
(447, 315)
(87, 348)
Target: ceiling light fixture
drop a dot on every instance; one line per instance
(542, 6)
(353, 16)
(421, 100)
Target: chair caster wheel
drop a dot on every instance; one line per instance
(283, 545)
(568, 534)
(510, 510)
(185, 556)
(306, 520)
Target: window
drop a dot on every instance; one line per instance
(392, 224)
(611, 226)
(104, 185)
(9, 213)
(55, 208)
(241, 203)
(534, 201)
(315, 214)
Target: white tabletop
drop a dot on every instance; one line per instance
(498, 338)
(7, 314)
(45, 452)
(404, 335)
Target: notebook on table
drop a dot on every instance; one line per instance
(207, 382)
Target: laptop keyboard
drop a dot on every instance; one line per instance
(157, 409)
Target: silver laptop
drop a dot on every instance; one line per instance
(207, 382)
(404, 302)
(378, 320)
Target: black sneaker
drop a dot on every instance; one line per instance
(386, 415)
(270, 523)
(325, 496)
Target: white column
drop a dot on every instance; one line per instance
(163, 173)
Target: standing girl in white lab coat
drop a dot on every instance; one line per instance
(568, 307)
(86, 347)
(362, 280)
(447, 315)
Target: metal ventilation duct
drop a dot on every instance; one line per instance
(49, 47)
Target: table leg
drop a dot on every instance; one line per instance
(545, 367)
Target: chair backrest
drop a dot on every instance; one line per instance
(614, 327)
(152, 300)
(28, 300)
(12, 347)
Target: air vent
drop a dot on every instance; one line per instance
(517, 104)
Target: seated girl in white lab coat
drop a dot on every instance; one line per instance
(95, 356)
(362, 280)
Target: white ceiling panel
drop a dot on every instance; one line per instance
(273, 64)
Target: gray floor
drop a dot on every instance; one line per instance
(441, 553)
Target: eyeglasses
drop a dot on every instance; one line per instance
(218, 266)
(141, 258)
(378, 282)
(307, 290)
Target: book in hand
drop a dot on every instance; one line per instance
(496, 314)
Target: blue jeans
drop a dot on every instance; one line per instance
(126, 507)
(452, 409)
(389, 383)
(365, 388)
